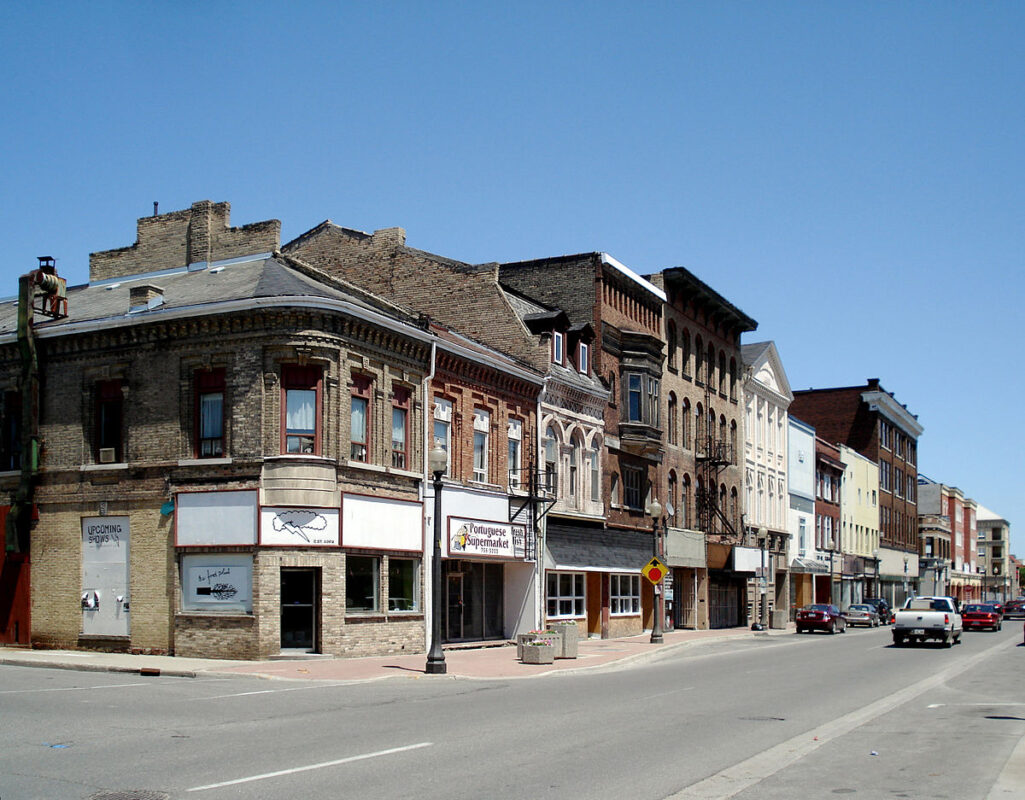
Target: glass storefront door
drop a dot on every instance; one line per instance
(298, 609)
(473, 600)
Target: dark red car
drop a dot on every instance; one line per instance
(1014, 608)
(980, 616)
(821, 617)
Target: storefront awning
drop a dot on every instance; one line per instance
(596, 548)
(808, 565)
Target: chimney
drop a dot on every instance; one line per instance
(144, 297)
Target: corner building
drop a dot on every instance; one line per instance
(230, 449)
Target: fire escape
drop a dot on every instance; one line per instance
(714, 454)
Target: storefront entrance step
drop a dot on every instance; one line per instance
(297, 655)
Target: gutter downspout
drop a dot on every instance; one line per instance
(540, 520)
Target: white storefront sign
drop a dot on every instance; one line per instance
(105, 560)
(474, 537)
(299, 527)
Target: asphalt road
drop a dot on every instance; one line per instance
(765, 717)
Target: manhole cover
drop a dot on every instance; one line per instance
(130, 794)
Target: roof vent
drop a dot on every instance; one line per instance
(144, 298)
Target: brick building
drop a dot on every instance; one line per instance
(484, 401)
(871, 421)
(964, 574)
(599, 562)
(829, 473)
(232, 451)
(702, 477)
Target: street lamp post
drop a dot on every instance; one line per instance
(876, 588)
(905, 576)
(655, 512)
(437, 462)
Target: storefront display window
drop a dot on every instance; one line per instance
(625, 594)
(362, 584)
(565, 594)
(403, 584)
(217, 583)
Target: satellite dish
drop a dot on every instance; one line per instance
(669, 509)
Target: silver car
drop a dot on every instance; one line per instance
(862, 614)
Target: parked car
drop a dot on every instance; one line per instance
(999, 607)
(862, 614)
(820, 617)
(980, 616)
(1014, 608)
(883, 607)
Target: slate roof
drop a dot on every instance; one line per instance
(201, 289)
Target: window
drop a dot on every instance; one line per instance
(684, 515)
(685, 354)
(359, 420)
(109, 403)
(584, 358)
(515, 434)
(722, 373)
(403, 584)
(671, 344)
(565, 594)
(10, 442)
(301, 386)
(633, 397)
(551, 462)
(653, 402)
(443, 429)
(574, 466)
(400, 428)
(481, 439)
(699, 358)
(614, 488)
(685, 424)
(733, 379)
(595, 474)
(209, 413)
(710, 366)
(632, 487)
(674, 499)
(625, 594)
(362, 584)
(898, 482)
(671, 421)
(557, 347)
(884, 435)
(884, 475)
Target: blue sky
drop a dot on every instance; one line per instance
(849, 174)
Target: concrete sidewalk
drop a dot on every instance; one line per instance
(496, 662)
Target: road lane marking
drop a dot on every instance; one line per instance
(278, 691)
(309, 767)
(731, 781)
(75, 688)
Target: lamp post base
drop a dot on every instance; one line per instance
(656, 638)
(435, 666)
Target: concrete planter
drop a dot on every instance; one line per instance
(569, 635)
(523, 638)
(536, 653)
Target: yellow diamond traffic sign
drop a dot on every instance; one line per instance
(654, 570)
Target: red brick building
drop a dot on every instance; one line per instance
(873, 422)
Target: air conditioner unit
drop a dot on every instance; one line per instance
(108, 455)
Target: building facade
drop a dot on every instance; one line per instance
(223, 432)
(872, 422)
(859, 522)
(767, 397)
(809, 564)
(994, 556)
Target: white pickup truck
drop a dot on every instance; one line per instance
(924, 618)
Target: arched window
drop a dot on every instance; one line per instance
(734, 509)
(671, 343)
(722, 430)
(685, 355)
(733, 379)
(595, 472)
(574, 468)
(674, 499)
(722, 505)
(733, 441)
(699, 428)
(685, 506)
(699, 499)
(722, 372)
(551, 462)
(685, 424)
(710, 430)
(671, 422)
(710, 366)
(699, 358)
(612, 388)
